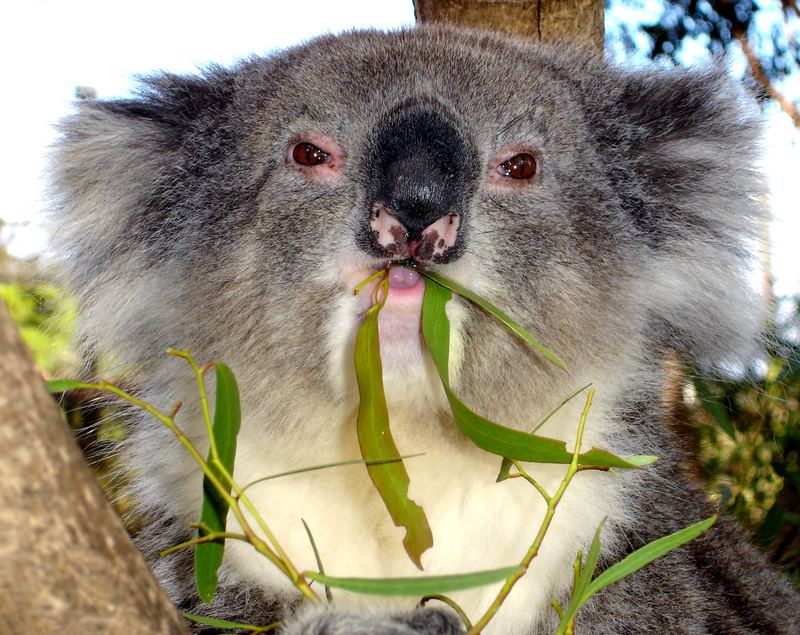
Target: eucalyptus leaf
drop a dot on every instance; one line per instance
(227, 420)
(213, 621)
(497, 313)
(63, 385)
(488, 435)
(419, 586)
(633, 562)
(641, 460)
(376, 442)
(590, 564)
(327, 466)
(505, 467)
(328, 595)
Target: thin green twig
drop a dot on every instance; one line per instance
(451, 603)
(209, 537)
(552, 503)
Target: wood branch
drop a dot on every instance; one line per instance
(761, 77)
(67, 564)
(579, 21)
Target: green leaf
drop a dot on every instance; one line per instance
(590, 564)
(645, 555)
(327, 466)
(376, 442)
(633, 562)
(488, 435)
(713, 407)
(496, 312)
(227, 419)
(641, 460)
(328, 595)
(428, 585)
(212, 621)
(63, 385)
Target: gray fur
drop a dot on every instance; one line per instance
(182, 225)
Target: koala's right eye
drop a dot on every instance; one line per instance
(305, 153)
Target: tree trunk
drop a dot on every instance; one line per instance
(578, 21)
(67, 564)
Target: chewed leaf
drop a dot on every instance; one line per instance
(486, 434)
(428, 585)
(227, 420)
(376, 442)
(498, 313)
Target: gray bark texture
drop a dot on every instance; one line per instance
(67, 564)
(578, 21)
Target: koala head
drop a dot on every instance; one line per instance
(234, 212)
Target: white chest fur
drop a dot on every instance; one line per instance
(477, 523)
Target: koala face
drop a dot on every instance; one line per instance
(238, 210)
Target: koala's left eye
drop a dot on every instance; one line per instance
(520, 166)
(305, 153)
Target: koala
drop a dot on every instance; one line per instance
(611, 213)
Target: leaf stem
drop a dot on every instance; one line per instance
(364, 283)
(522, 473)
(451, 603)
(287, 567)
(552, 503)
(209, 537)
(201, 389)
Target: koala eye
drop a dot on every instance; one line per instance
(305, 153)
(520, 166)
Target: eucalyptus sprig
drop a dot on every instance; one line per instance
(220, 492)
(384, 463)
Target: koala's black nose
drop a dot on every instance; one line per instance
(420, 169)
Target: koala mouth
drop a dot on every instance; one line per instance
(402, 277)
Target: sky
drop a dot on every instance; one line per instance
(48, 47)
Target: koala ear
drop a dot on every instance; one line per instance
(113, 161)
(694, 141)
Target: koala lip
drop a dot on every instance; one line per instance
(403, 278)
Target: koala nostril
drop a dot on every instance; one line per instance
(431, 244)
(389, 233)
(438, 238)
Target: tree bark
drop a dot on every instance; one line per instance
(578, 21)
(67, 564)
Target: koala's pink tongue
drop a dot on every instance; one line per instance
(403, 278)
